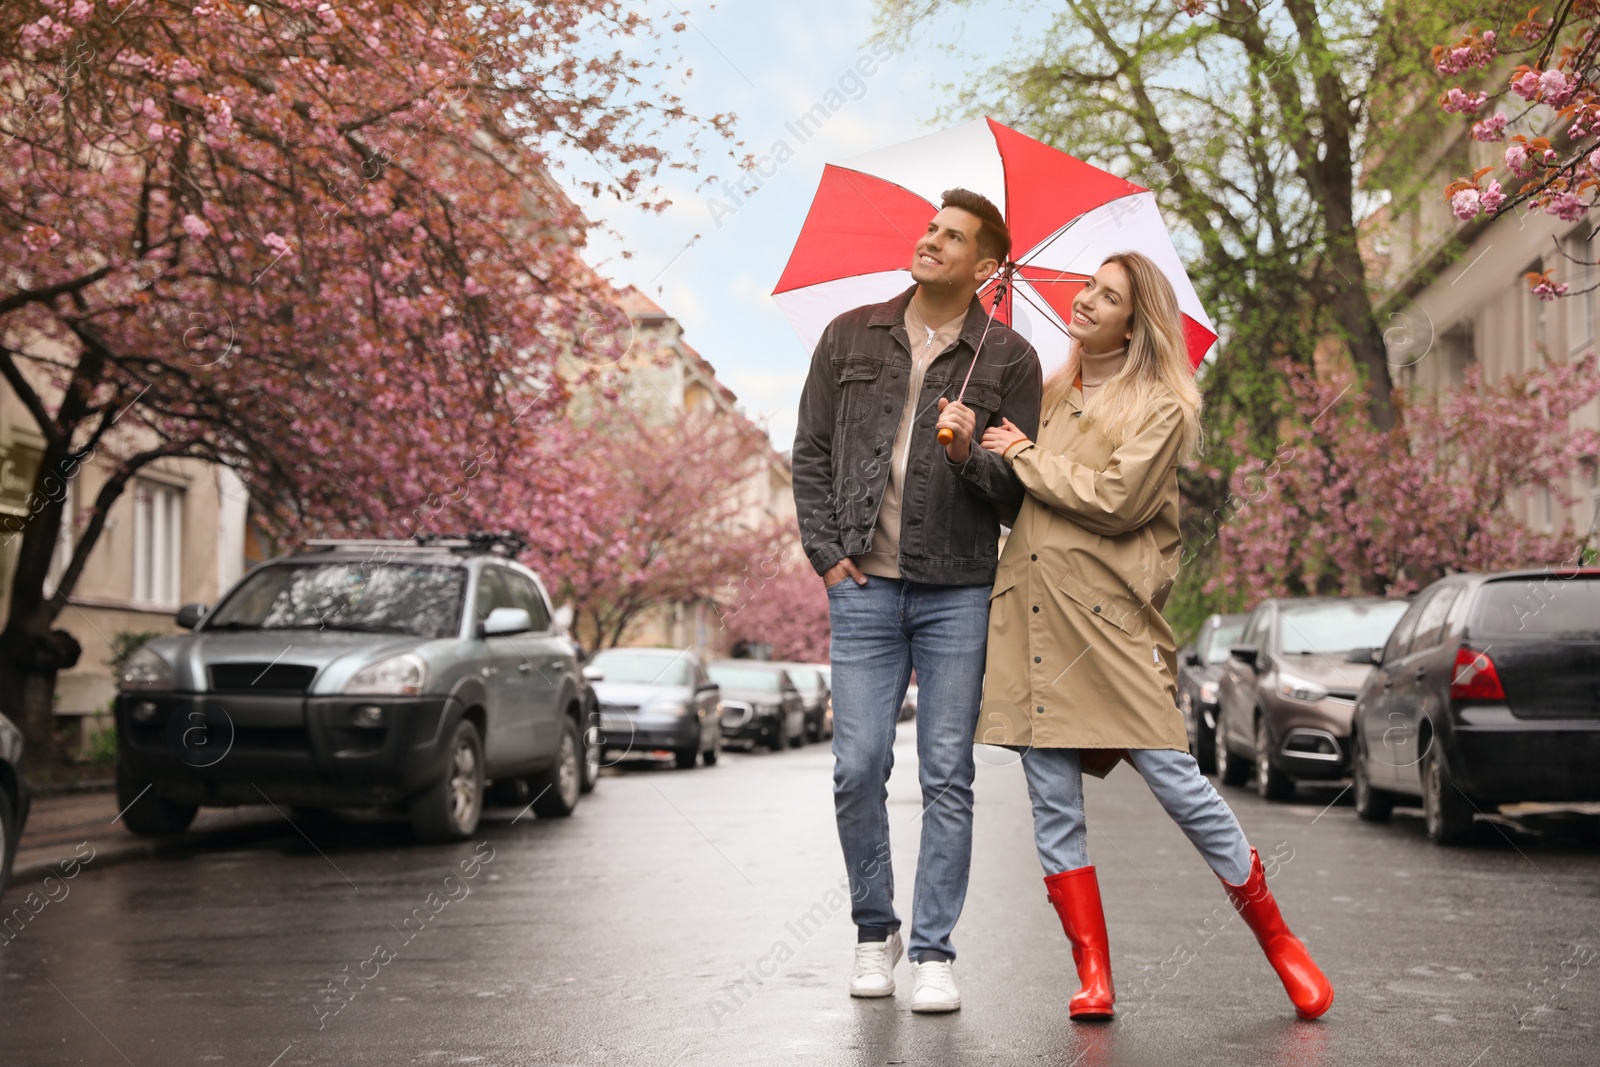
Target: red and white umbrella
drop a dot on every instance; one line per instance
(1065, 217)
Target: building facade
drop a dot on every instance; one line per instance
(1453, 295)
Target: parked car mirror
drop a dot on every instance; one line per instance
(506, 621)
(1191, 657)
(563, 617)
(189, 615)
(1370, 656)
(706, 686)
(1246, 654)
(592, 673)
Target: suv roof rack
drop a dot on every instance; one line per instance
(507, 544)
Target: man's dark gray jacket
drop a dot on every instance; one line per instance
(950, 513)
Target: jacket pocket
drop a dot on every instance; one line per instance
(1120, 610)
(982, 396)
(858, 391)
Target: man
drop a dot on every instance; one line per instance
(904, 533)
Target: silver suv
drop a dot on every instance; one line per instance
(361, 674)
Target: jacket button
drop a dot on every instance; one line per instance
(1035, 556)
(887, 408)
(878, 450)
(1097, 609)
(1039, 709)
(894, 374)
(869, 501)
(1037, 659)
(1036, 609)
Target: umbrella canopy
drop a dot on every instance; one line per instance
(1065, 217)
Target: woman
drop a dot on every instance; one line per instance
(1081, 665)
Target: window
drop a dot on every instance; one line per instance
(1431, 621)
(1400, 640)
(492, 593)
(157, 543)
(1581, 275)
(525, 595)
(363, 597)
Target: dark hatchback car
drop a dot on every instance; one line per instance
(760, 704)
(14, 797)
(1288, 690)
(813, 686)
(1487, 692)
(656, 700)
(1199, 669)
(359, 674)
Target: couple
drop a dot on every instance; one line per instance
(1059, 643)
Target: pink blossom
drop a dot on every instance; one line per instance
(1567, 207)
(1457, 101)
(1557, 87)
(1492, 128)
(1547, 290)
(1517, 160)
(196, 227)
(1492, 198)
(1527, 85)
(275, 244)
(1465, 204)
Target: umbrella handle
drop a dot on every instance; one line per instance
(945, 434)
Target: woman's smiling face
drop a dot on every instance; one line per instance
(1102, 312)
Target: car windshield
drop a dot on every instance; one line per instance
(387, 598)
(1223, 638)
(806, 679)
(649, 668)
(1337, 626)
(736, 677)
(1555, 605)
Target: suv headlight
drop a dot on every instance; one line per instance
(1300, 689)
(668, 706)
(146, 670)
(402, 675)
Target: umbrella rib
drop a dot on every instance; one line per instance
(1070, 224)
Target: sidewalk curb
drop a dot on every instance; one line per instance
(112, 853)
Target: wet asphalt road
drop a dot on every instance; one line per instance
(618, 937)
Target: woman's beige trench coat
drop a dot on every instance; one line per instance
(1079, 654)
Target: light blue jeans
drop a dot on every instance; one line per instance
(881, 631)
(1055, 784)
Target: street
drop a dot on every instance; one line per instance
(695, 918)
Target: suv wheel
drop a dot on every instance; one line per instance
(1372, 804)
(1446, 812)
(686, 757)
(1231, 770)
(449, 810)
(557, 789)
(148, 814)
(1271, 783)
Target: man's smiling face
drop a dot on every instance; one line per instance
(947, 255)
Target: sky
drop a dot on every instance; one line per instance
(714, 269)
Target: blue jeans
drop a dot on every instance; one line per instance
(1055, 785)
(881, 631)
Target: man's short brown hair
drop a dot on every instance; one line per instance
(994, 240)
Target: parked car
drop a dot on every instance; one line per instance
(760, 703)
(656, 700)
(1287, 690)
(14, 797)
(358, 674)
(808, 678)
(1487, 692)
(1199, 668)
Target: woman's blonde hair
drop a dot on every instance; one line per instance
(1157, 363)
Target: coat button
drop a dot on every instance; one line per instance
(1096, 607)
(1036, 609)
(1039, 709)
(1047, 422)
(1038, 659)
(1035, 556)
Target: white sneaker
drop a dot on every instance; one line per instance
(936, 987)
(875, 962)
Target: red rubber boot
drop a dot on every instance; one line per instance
(1076, 897)
(1308, 989)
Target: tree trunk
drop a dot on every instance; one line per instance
(28, 672)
